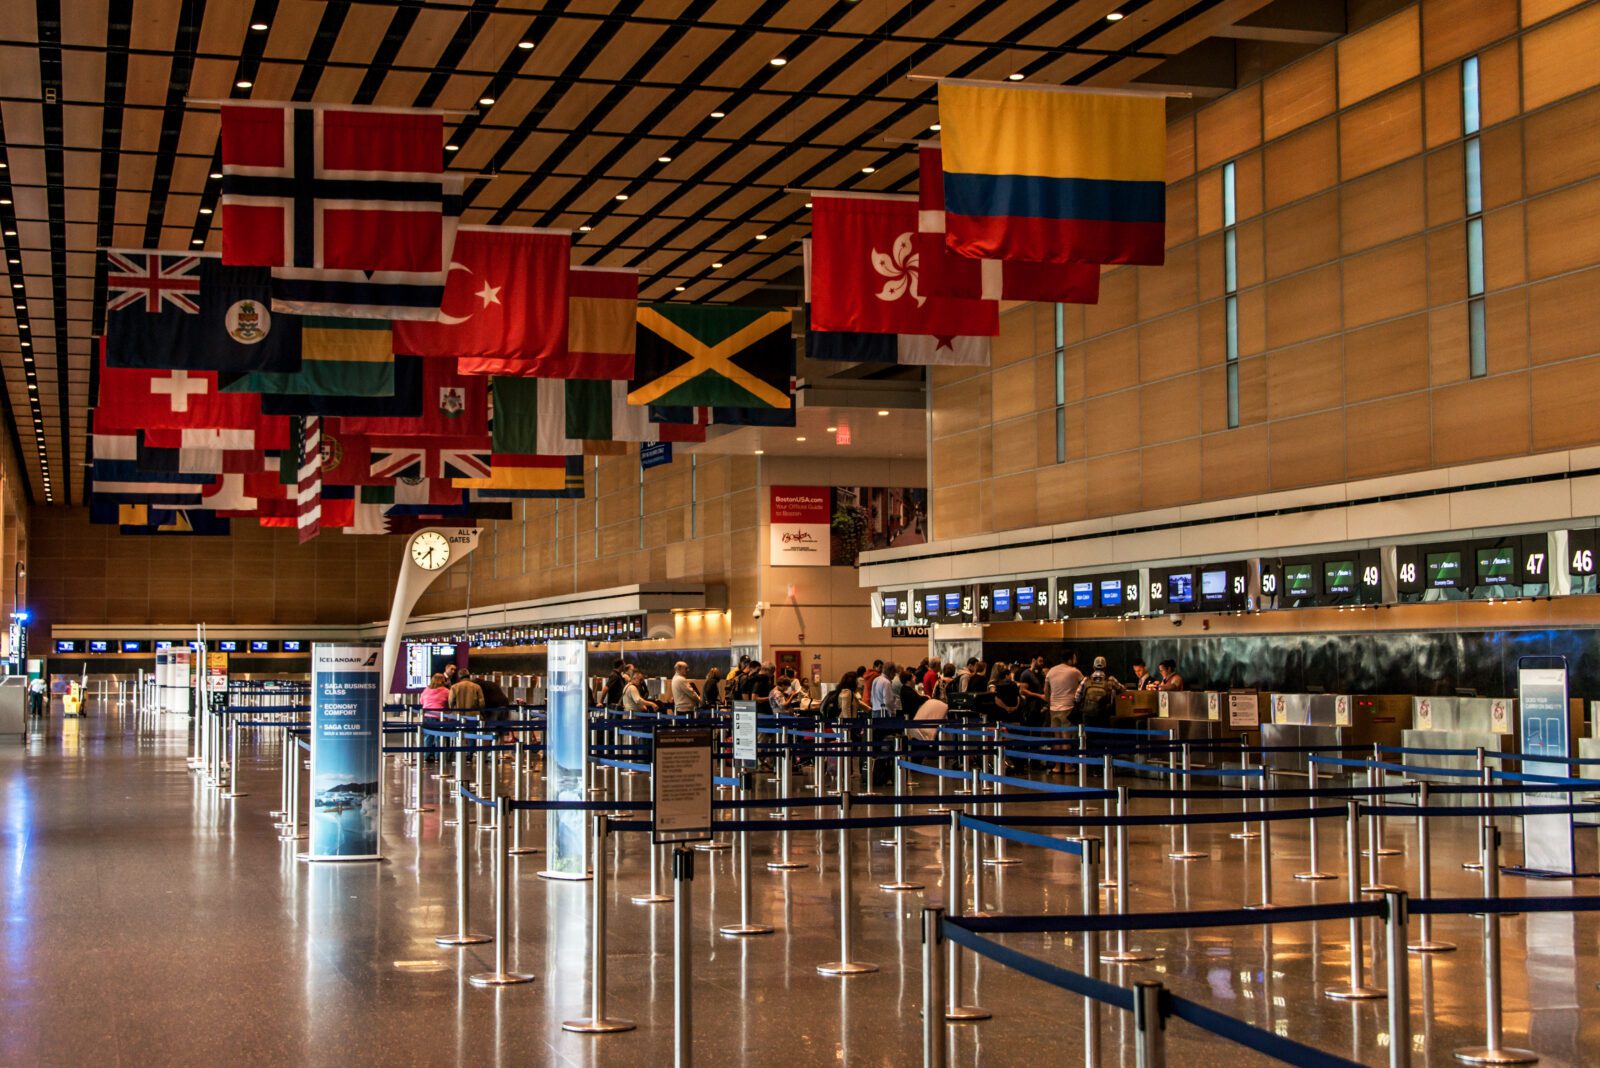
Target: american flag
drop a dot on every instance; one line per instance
(421, 461)
(132, 277)
(308, 483)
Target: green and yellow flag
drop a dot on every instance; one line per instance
(694, 355)
(338, 358)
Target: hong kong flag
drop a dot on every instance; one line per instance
(945, 273)
(133, 399)
(865, 275)
(505, 303)
(333, 188)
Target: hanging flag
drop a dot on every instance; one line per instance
(530, 417)
(339, 357)
(405, 402)
(943, 273)
(146, 492)
(599, 411)
(418, 459)
(602, 310)
(193, 312)
(505, 301)
(308, 492)
(151, 458)
(691, 423)
(268, 433)
(192, 522)
(865, 273)
(132, 399)
(1054, 176)
(228, 496)
(513, 472)
(690, 354)
(452, 405)
(129, 471)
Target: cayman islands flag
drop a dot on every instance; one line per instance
(1054, 176)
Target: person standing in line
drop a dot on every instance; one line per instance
(930, 678)
(633, 699)
(685, 695)
(1097, 698)
(494, 698)
(885, 695)
(711, 693)
(1061, 689)
(868, 678)
(1007, 695)
(466, 695)
(614, 684)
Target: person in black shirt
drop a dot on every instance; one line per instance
(711, 691)
(1007, 695)
(615, 682)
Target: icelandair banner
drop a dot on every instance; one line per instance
(346, 757)
(800, 519)
(567, 753)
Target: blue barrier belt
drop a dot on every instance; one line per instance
(1043, 841)
(1418, 751)
(275, 723)
(1523, 758)
(1462, 906)
(1033, 784)
(1304, 791)
(581, 806)
(774, 802)
(1058, 923)
(1098, 989)
(850, 823)
(452, 748)
(1164, 819)
(928, 769)
(474, 798)
(1404, 769)
(1231, 773)
(1546, 780)
(1481, 810)
(1054, 758)
(625, 765)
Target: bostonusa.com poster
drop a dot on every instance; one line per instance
(814, 526)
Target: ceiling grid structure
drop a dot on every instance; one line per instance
(665, 134)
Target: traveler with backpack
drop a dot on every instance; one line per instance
(1097, 696)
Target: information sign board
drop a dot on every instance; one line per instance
(680, 784)
(744, 733)
(346, 752)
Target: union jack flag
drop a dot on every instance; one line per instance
(416, 461)
(154, 279)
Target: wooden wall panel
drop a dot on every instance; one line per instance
(1379, 57)
(1452, 29)
(1308, 451)
(1228, 127)
(1564, 318)
(1568, 148)
(1302, 307)
(1302, 235)
(1561, 58)
(1386, 360)
(1305, 378)
(1304, 163)
(1300, 93)
(1382, 207)
(1380, 132)
(1386, 282)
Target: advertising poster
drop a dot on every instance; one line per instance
(800, 518)
(217, 680)
(1542, 696)
(876, 517)
(179, 680)
(566, 730)
(346, 752)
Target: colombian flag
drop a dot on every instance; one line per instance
(1054, 176)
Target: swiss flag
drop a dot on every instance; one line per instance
(945, 273)
(454, 405)
(865, 274)
(505, 300)
(133, 399)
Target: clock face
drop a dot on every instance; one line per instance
(429, 550)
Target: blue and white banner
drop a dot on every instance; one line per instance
(346, 752)
(567, 753)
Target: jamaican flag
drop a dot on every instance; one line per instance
(688, 354)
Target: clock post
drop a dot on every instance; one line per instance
(428, 553)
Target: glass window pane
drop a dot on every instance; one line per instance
(1469, 95)
(1229, 208)
(1475, 257)
(1061, 376)
(1232, 315)
(1477, 342)
(1061, 326)
(1233, 395)
(1230, 261)
(1474, 164)
(1061, 435)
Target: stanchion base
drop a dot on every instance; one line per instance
(1378, 888)
(415, 811)
(1313, 876)
(1431, 947)
(1383, 851)
(846, 967)
(886, 841)
(1357, 993)
(745, 930)
(1130, 956)
(448, 821)
(523, 851)
(1000, 862)
(900, 886)
(1188, 856)
(290, 837)
(938, 810)
(1485, 1055)
(1244, 836)
(1262, 906)
(499, 978)
(607, 1026)
(462, 940)
(711, 847)
(1471, 865)
(967, 1013)
(231, 794)
(786, 865)
(653, 899)
(566, 877)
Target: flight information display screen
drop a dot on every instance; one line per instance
(1444, 570)
(1339, 577)
(1214, 587)
(1180, 588)
(1110, 593)
(1497, 566)
(1083, 595)
(1299, 580)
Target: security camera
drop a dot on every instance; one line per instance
(1177, 621)
(760, 609)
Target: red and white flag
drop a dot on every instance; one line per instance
(401, 459)
(945, 273)
(308, 480)
(454, 405)
(133, 398)
(505, 300)
(865, 273)
(333, 188)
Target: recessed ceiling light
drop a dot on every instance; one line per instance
(1016, 77)
(716, 266)
(258, 26)
(719, 114)
(622, 196)
(584, 229)
(935, 127)
(5, 201)
(663, 159)
(22, 326)
(452, 148)
(486, 100)
(197, 241)
(16, 285)
(677, 289)
(833, 430)
(777, 61)
(761, 452)
(205, 211)
(883, 411)
(802, 437)
(868, 170)
(11, 233)
(524, 44)
(216, 174)
(22, 307)
(761, 237)
(242, 84)
(1115, 16)
(808, 203)
(15, 261)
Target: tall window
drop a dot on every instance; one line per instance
(641, 505)
(694, 492)
(557, 530)
(1230, 287)
(1472, 153)
(1061, 383)
(597, 507)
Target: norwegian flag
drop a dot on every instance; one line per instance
(154, 279)
(308, 483)
(333, 188)
(421, 461)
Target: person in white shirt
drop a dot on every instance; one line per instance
(932, 708)
(685, 696)
(633, 699)
(1061, 685)
(885, 696)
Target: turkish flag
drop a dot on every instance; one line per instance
(865, 274)
(142, 398)
(505, 299)
(945, 273)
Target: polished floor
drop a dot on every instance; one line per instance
(149, 922)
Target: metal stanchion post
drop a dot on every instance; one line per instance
(1425, 942)
(682, 972)
(1375, 850)
(233, 760)
(462, 937)
(1492, 1051)
(1244, 833)
(1149, 1025)
(1184, 852)
(502, 974)
(933, 1006)
(1122, 954)
(1000, 858)
(846, 964)
(899, 882)
(456, 782)
(1090, 880)
(655, 896)
(282, 811)
(953, 1009)
(1394, 927)
(1315, 874)
(1266, 861)
(518, 790)
(291, 823)
(1358, 990)
(1484, 779)
(1376, 844)
(786, 758)
(975, 789)
(597, 1022)
(745, 927)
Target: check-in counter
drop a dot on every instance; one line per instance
(1322, 719)
(14, 706)
(1589, 742)
(1458, 723)
(1190, 715)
